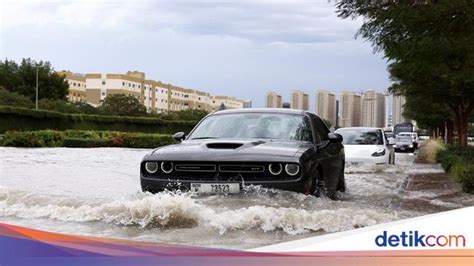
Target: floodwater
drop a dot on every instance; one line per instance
(96, 192)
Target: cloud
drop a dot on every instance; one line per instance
(256, 21)
(238, 48)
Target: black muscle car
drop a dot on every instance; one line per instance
(275, 148)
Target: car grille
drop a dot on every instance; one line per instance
(195, 167)
(222, 171)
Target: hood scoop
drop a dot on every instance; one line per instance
(224, 145)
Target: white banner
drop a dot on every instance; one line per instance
(445, 230)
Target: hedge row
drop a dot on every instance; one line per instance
(23, 119)
(86, 139)
(459, 162)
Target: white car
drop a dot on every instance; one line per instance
(414, 138)
(366, 145)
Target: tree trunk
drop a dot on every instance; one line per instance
(461, 120)
(463, 125)
(450, 129)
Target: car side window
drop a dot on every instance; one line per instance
(322, 129)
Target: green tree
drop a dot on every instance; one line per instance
(58, 105)
(430, 48)
(14, 99)
(22, 79)
(121, 104)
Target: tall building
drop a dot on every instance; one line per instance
(326, 106)
(77, 86)
(398, 101)
(155, 95)
(247, 104)
(373, 109)
(299, 100)
(272, 100)
(350, 109)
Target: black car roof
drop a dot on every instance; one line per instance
(262, 110)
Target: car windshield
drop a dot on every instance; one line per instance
(355, 136)
(254, 125)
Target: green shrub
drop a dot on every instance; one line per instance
(23, 119)
(146, 140)
(459, 162)
(463, 172)
(84, 138)
(14, 99)
(42, 138)
(86, 143)
(446, 159)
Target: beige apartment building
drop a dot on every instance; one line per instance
(156, 96)
(350, 109)
(373, 109)
(227, 101)
(326, 106)
(398, 101)
(77, 86)
(273, 100)
(299, 100)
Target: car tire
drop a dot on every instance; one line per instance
(341, 185)
(311, 184)
(322, 189)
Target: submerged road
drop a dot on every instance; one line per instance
(96, 192)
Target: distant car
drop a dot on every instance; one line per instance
(366, 145)
(276, 148)
(414, 138)
(404, 142)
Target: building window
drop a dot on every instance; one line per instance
(103, 93)
(199, 98)
(156, 90)
(130, 85)
(123, 83)
(103, 82)
(139, 86)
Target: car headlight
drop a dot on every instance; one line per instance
(151, 167)
(380, 152)
(167, 167)
(411, 146)
(275, 168)
(394, 145)
(292, 169)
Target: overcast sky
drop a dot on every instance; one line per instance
(236, 48)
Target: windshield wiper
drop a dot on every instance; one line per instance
(205, 138)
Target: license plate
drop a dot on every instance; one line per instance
(215, 187)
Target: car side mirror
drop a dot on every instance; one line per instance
(179, 136)
(335, 138)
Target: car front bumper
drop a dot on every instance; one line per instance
(367, 160)
(156, 185)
